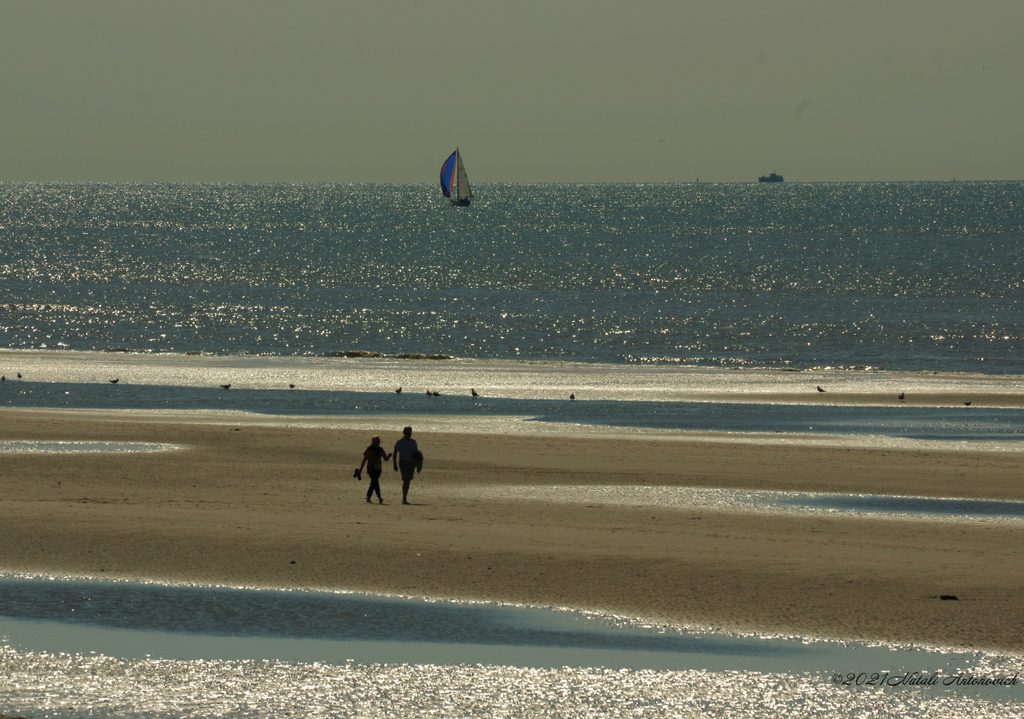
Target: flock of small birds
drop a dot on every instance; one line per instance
(901, 398)
(435, 393)
(430, 393)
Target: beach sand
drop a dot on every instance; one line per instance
(247, 504)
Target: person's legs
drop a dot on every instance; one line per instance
(374, 484)
(408, 470)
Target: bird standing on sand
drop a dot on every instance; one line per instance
(572, 396)
(225, 386)
(114, 381)
(437, 394)
(903, 396)
(473, 392)
(820, 389)
(967, 404)
(398, 391)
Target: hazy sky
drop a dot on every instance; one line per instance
(531, 90)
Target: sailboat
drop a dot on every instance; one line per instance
(454, 181)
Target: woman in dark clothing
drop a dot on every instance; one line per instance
(373, 458)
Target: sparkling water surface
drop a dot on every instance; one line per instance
(44, 447)
(203, 651)
(716, 499)
(899, 276)
(637, 299)
(72, 687)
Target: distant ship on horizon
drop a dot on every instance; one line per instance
(773, 177)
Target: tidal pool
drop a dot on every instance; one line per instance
(76, 648)
(910, 505)
(743, 500)
(134, 620)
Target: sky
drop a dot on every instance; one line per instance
(530, 91)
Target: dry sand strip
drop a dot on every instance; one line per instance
(267, 506)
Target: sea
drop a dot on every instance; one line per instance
(775, 312)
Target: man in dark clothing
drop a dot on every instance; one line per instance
(406, 456)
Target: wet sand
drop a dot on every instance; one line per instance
(248, 504)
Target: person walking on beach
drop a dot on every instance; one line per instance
(374, 458)
(407, 457)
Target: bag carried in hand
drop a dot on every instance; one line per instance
(358, 474)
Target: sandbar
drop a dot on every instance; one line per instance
(244, 503)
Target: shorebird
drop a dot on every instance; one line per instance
(19, 375)
(291, 386)
(437, 394)
(428, 392)
(967, 404)
(398, 391)
(225, 386)
(114, 381)
(820, 389)
(903, 395)
(572, 396)
(473, 392)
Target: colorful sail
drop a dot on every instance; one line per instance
(448, 175)
(454, 182)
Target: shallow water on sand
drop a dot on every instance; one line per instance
(743, 500)
(78, 648)
(60, 447)
(771, 406)
(76, 686)
(912, 505)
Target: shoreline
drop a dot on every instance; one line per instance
(524, 426)
(248, 504)
(523, 379)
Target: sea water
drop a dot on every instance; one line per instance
(671, 310)
(895, 276)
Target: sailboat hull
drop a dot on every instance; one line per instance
(460, 202)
